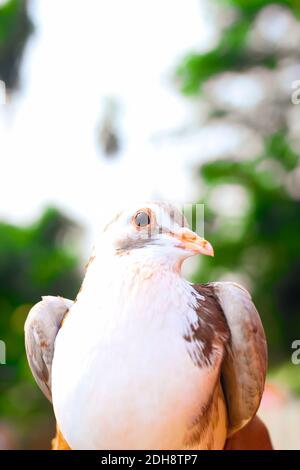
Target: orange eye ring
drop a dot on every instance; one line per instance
(143, 218)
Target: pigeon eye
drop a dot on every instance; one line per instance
(142, 219)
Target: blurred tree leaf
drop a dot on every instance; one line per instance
(36, 260)
(15, 28)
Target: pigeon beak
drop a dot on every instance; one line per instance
(190, 241)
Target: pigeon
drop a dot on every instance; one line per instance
(144, 359)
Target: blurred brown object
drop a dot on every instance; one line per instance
(109, 140)
(8, 438)
(254, 436)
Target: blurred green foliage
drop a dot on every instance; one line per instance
(34, 260)
(15, 28)
(231, 53)
(262, 243)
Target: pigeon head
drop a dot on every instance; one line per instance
(157, 229)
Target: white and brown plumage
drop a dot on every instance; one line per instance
(144, 359)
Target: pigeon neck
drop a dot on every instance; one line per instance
(131, 274)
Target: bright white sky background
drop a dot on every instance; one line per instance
(81, 52)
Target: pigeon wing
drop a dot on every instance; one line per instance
(41, 327)
(245, 363)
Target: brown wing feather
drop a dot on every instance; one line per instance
(207, 340)
(245, 364)
(228, 314)
(211, 328)
(41, 327)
